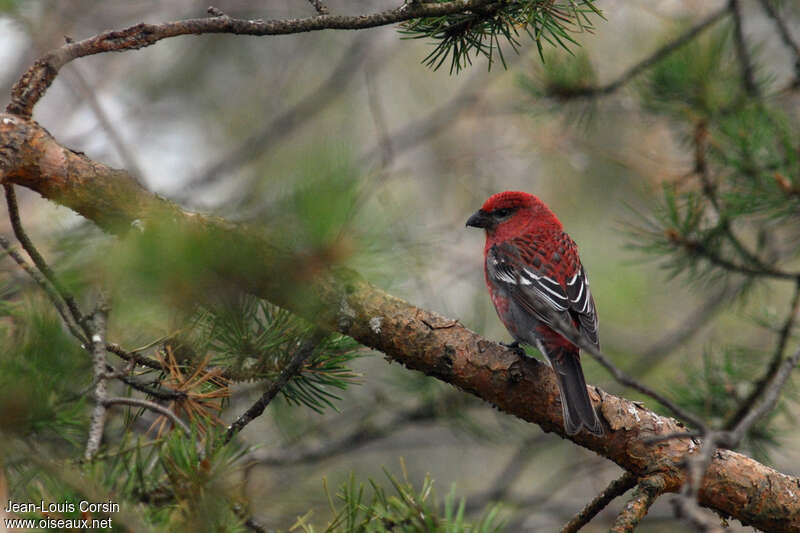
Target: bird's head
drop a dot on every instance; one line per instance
(513, 213)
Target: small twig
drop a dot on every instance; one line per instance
(152, 406)
(319, 6)
(775, 363)
(111, 373)
(641, 500)
(98, 332)
(769, 399)
(38, 260)
(618, 487)
(161, 394)
(116, 349)
(304, 351)
(697, 247)
(54, 297)
(745, 61)
(786, 36)
(215, 12)
(558, 323)
(649, 61)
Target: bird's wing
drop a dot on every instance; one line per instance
(581, 305)
(541, 295)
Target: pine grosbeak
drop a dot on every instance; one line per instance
(534, 274)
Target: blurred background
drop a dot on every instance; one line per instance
(347, 138)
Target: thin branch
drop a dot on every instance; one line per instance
(641, 500)
(649, 61)
(319, 6)
(618, 487)
(774, 366)
(745, 61)
(38, 260)
(152, 406)
(304, 351)
(98, 332)
(697, 247)
(770, 398)
(786, 36)
(52, 294)
(33, 84)
(116, 349)
(569, 332)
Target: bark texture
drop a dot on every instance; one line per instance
(734, 486)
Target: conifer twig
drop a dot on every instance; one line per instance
(40, 280)
(304, 351)
(152, 406)
(639, 67)
(786, 36)
(745, 61)
(618, 487)
(775, 363)
(39, 261)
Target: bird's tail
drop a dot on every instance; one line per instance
(575, 401)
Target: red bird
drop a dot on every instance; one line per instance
(534, 274)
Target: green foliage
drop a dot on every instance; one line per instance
(404, 510)
(561, 75)
(701, 78)
(42, 372)
(484, 30)
(716, 390)
(255, 340)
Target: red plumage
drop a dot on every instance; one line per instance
(534, 274)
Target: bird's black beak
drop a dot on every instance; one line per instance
(480, 219)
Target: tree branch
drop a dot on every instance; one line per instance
(294, 367)
(647, 62)
(34, 83)
(786, 36)
(745, 61)
(618, 487)
(98, 333)
(641, 500)
(152, 406)
(339, 299)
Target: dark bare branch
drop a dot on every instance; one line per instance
(618, 487)
(786, 36)
(304, 351)
(742, 52)
(38, 259)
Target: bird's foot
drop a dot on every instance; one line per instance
(515, 347)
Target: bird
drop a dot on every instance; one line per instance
(537, 284)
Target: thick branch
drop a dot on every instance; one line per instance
(341, 300)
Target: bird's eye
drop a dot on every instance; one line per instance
(503, 212)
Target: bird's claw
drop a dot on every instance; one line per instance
(515, 347)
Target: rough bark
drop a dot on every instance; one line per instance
(735, 485)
